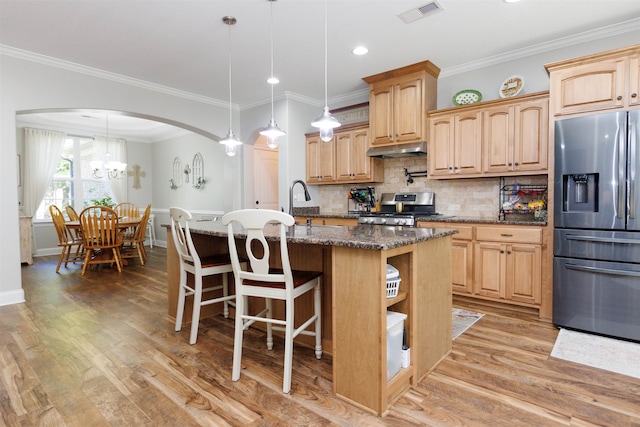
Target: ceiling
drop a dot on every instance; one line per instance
(183, 45)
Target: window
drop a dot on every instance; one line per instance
(73, 183)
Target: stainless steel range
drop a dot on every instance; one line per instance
(401, 209)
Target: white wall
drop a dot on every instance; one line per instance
(28, 85)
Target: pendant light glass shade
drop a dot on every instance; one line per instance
(230, 141)
(272, 131)
(326, 122)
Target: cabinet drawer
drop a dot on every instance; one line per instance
(465, 232)
(509, 234)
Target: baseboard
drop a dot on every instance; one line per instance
(11, 297)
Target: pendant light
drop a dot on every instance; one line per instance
(272, 131)
(113, 168)
(230, 141)
(326, 122)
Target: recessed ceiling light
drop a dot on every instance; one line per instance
(511, 1)
(273, 80)
(360, 50)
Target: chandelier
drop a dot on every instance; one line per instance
(111, 168)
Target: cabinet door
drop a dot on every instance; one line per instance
(381, 114)
(320, 160)
(468, 143)
(462, 263)
(407, 115)
(634, 81)
(344, 156)
(490, 270)
(361, 165)
(589, 87)
(524, 273)
(531, 135)
(441, 145)
(498, 128)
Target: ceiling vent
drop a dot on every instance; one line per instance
(420, 12)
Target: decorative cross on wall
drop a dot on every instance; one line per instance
(136, 173)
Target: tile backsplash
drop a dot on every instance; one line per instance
(469, 197)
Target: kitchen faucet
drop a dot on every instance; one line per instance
(307, 196)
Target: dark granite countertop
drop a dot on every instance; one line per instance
(373, 237)
(436, 218)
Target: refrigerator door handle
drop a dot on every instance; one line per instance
(633, 158)
(621, 181)
(602, 239)
(610, 271)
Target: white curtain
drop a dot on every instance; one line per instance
(42, 151)
(114, 149)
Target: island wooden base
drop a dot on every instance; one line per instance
(354, 310)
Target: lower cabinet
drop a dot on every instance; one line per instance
(499, 263)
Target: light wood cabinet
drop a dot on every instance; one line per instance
(343, 159)
(455, 144)
(497, 262)
(516, 137)
(494, 138)
(603, 81)
(461, 255)
(352, 162)
(321, 166)
(25, 240)
(508, 263)
(398, 102)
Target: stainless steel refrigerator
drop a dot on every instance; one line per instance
(596, 274)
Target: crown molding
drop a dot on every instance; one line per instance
(587, 36)
(119, 78)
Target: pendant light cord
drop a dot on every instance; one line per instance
(230, 103)
(326, 96)
(272, 83)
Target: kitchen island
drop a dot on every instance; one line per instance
(353, 260)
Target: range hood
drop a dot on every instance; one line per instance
(399, 150)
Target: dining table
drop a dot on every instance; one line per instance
(124, 222)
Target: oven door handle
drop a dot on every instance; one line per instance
(602, 239)
(610, 271)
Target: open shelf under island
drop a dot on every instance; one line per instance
(353, 261)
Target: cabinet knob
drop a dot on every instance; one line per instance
(450, 168)
(508, 252)
(634, 95)
(619, 98)
(501, 251)
(509, 164)
(517, 163)
(455, 167)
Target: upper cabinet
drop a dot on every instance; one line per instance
(343, 159)
(493, 138)
(321, 166)
(516, 136)
(605, 81)
(398, 101)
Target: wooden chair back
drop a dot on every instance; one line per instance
(99, 225)
(71, 213)
(128, 209)
(64, 236)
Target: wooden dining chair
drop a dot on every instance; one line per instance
(129, 209)
(66, 239)
(102, 237)
(192, 263)
(73, 216)
(133, 245)
(263, 281)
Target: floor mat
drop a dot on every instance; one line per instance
(610, 354)
(462, 320)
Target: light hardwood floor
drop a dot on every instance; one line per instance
(99, 350)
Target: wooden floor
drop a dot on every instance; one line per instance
(99, 350)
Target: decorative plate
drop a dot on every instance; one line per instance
(467, 96)
(511, 86)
